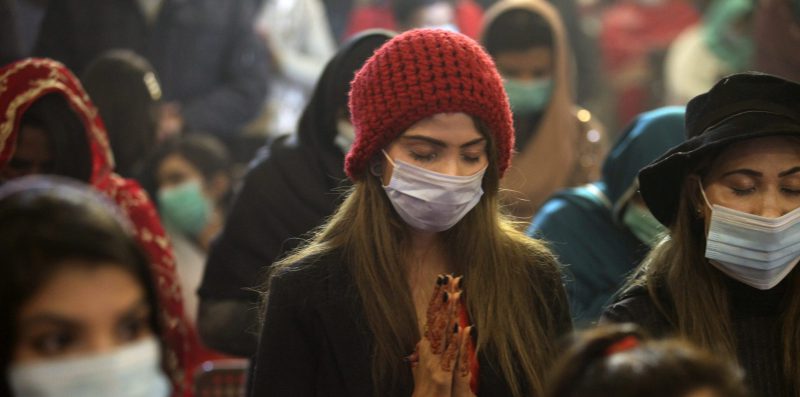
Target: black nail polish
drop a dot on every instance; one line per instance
(445, 297)
(439, 280)
(455, 328)
(473, 332)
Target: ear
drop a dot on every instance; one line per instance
(694, 184)
(376, 166)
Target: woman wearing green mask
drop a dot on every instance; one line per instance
(602, 230)
(721, 44)
(527, 41)
(190, 177)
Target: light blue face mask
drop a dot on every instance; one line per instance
(755, 250)
(130, 371)
(528, 97)
(185, 208)
(643, 224)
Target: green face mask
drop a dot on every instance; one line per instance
(528, 96)
(733, 48)
(184, 207)
(643, 224)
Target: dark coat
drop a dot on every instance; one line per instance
(205, 52)
(9, 41)
(756, 320)
(316, 342)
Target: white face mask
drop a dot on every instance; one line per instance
(431, 201)
(345, 136)
(755, 250)
(130, 371)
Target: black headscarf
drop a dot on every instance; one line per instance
(292, 187)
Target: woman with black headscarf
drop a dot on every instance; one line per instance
(291, 188)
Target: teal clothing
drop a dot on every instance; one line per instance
(583, 225)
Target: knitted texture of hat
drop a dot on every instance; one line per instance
(416, 75)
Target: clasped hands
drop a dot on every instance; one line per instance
(441, 360)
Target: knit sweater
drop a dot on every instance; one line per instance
(756, 320)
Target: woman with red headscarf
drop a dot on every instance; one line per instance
(48, 125)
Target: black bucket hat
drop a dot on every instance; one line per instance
(739, 107)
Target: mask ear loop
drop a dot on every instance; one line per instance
(703, 192)
(388, 158)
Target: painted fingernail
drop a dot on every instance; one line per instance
(440, 280)
(473, 332)
(445, 297)
(455, 328)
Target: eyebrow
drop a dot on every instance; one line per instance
(441, 143)
(788, 172)
(756, 174)
(49, 319)
(61, 321)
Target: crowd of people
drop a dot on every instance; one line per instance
(400, 198)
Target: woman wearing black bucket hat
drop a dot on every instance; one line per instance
(730, 195)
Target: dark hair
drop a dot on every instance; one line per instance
(46, 221)
(404, 10)
(66, 135)
(204, 152)
(517, 29)
(124, 88)
(620, 361)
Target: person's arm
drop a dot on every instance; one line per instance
(243, 86)
(302, 58)
(229, 325)
(285, 364)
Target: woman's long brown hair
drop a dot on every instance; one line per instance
(513, 288)
(693, 296)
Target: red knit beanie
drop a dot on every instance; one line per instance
(416, 75)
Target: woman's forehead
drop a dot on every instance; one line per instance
(759, 153)
(446, 127)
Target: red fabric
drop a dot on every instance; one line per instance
(416, 75)
(21, 84)
(469, 18)
(373, 16)
(627, 343)
(630, 34)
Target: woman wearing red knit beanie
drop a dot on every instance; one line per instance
(417, 285)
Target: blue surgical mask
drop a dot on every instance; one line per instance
(643, 224)
(755, 250)
(185, 208)
(431, 201)
(130, 371)
(528, 97)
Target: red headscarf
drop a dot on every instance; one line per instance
(23, 83)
